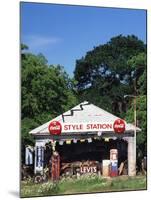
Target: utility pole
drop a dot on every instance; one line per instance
(133, 170)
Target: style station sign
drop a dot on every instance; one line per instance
(55, 127)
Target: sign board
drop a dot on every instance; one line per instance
(119, 126)
(55, 127)
(88, 169)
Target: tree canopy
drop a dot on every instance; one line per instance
(105, 74)
(46, 91)
(108, 72)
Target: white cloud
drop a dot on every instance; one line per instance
(35, 41)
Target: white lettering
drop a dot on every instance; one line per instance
(86, 169)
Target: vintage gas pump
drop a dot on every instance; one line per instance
(55, 166)
(55, 163)
(114, 162)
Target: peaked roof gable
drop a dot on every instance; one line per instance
(85, 112)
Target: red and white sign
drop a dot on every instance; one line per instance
(55, 128)
(86, 127)
(119, 126)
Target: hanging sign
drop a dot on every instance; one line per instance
(119, 126)
(55, 128)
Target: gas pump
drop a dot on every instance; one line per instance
(55, 166)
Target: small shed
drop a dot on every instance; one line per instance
(86, 122)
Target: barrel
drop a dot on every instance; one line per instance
(105, 167)
(114, 168)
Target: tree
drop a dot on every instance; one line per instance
(46, 91)
(141, 116)
(24, 47)
(104, 75)
(139, 65)
(110, 71)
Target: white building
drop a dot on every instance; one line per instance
(85, 122)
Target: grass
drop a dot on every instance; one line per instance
(85, 184)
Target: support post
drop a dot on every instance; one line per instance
(131, 156)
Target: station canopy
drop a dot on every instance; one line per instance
(85, 117)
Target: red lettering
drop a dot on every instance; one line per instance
(99, 126)
(65, 127)
(73, 127)
(88, 126)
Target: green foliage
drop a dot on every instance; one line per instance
(44, 88)
(108, 62)
(46, 91)
(106, 72)
(139, 64)
(110, 71)
(24, 47)
(27, 125)
(87, 184)
(141, 116)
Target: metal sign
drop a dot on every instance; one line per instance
(55, 128)
(119, 126)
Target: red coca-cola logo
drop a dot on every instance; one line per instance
(119, 126)
(55, 128)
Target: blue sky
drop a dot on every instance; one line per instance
(65, 33)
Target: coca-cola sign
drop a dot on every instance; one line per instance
(119, 126)
(55, 128)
